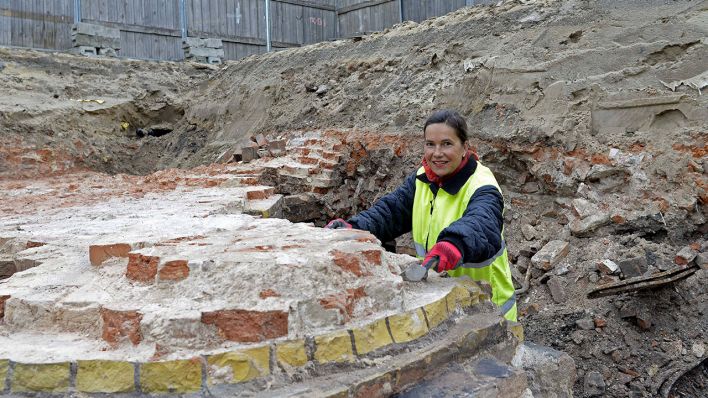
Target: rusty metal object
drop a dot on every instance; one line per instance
(642, 282)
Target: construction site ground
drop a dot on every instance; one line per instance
(592, 115)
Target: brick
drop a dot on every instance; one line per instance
(436, 312)
(458, 297)
(268, 293)
(644, 320)
(239, 366)
(408, 326)
(174, 270)
(291, 353)
(142, 268)
(550, 255)
(307, 160)
(31, 244)
(599, 322)
(98, 376)
(119, 326)
(171, 376)
(516, 329)
(344, 302)
(3, 299)
(249, 153)
(248, 326)
(98, 254)
(555, 285)
(4, 366)
(372, 256)
(608, 267)
(52, 378)
(371, 337)
(334, 347)
(261, 141)
(348, 262)
(685, 256)
(258, 194)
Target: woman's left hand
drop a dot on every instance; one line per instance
(448, 253)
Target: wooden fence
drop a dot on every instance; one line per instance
(153, 29)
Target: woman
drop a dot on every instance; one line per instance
(453, 205)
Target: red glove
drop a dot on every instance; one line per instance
(338, 224)
(448, 253)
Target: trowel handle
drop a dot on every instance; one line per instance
(432, 263)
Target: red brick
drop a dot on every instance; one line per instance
(600, 158)
(348, 262)
(344, 302)
(257, 194)
(121, 325)
(600, 322)
(142, 268)
(174, 270)
(248, 326)
(268, 293)
(380, 387)
(30, 244)
(320, 190)
(372, 256)
(3, 299)
(307, 160)
(100, 253)
(617, 219)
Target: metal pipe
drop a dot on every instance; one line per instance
(77, 11)
(267, 21)
(183, 17)
(400, 9)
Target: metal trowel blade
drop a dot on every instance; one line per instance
(417, 272)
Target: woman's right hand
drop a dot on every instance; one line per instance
(338, 224)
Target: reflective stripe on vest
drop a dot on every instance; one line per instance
(433, 213)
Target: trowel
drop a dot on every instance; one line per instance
(416, 272)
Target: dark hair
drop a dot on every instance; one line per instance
(450, 118)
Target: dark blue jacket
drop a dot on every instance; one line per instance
(477, 233)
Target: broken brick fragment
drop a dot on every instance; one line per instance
(98, 254)
(30, 244)
(3, 299)
(257, 194)
(685, 256)
(174, 270)
(142, 268)
(348, 262)
(372, 256)
(248, 326)
(121, 325)
(344, 302)
(268, 293)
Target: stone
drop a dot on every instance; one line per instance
(436, 312)
(586, 226)
(583, 208)
(698, 350)
(555, 285)
(81, 39)
(292, 353)
(119, 326)
(99, 376)
(171, 376)
(322, 89)
(372, 336)
(685, 256)
(407, 326)
(203, 52)
(702, 260)
(52, 378)
(608, 267)
(644, 320)
(213, 43)
(142, 268)
(100, 253)
(594, 384)
(7, 267)
(261, 141)
(628, 310)
(551, 373)
(585, 324)
(193, 42)
(88, 29)
(334, 347)
(528, 231)
(633, 267)
(550, 255)
(248, 326)
(239, 366)
(577, 337)
(249, 153)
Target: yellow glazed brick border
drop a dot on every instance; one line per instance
(196, 374)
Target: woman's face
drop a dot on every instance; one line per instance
(443, 148)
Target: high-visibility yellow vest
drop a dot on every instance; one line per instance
(433, 213)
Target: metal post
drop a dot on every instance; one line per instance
(469, 3)
(183, 17)
(267, 21)
(400, 9)
(77, 11)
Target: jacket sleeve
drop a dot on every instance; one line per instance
(392, 215)
(478, 232)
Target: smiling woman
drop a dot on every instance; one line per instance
(453, 205)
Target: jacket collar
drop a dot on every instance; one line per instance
(454, 183)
